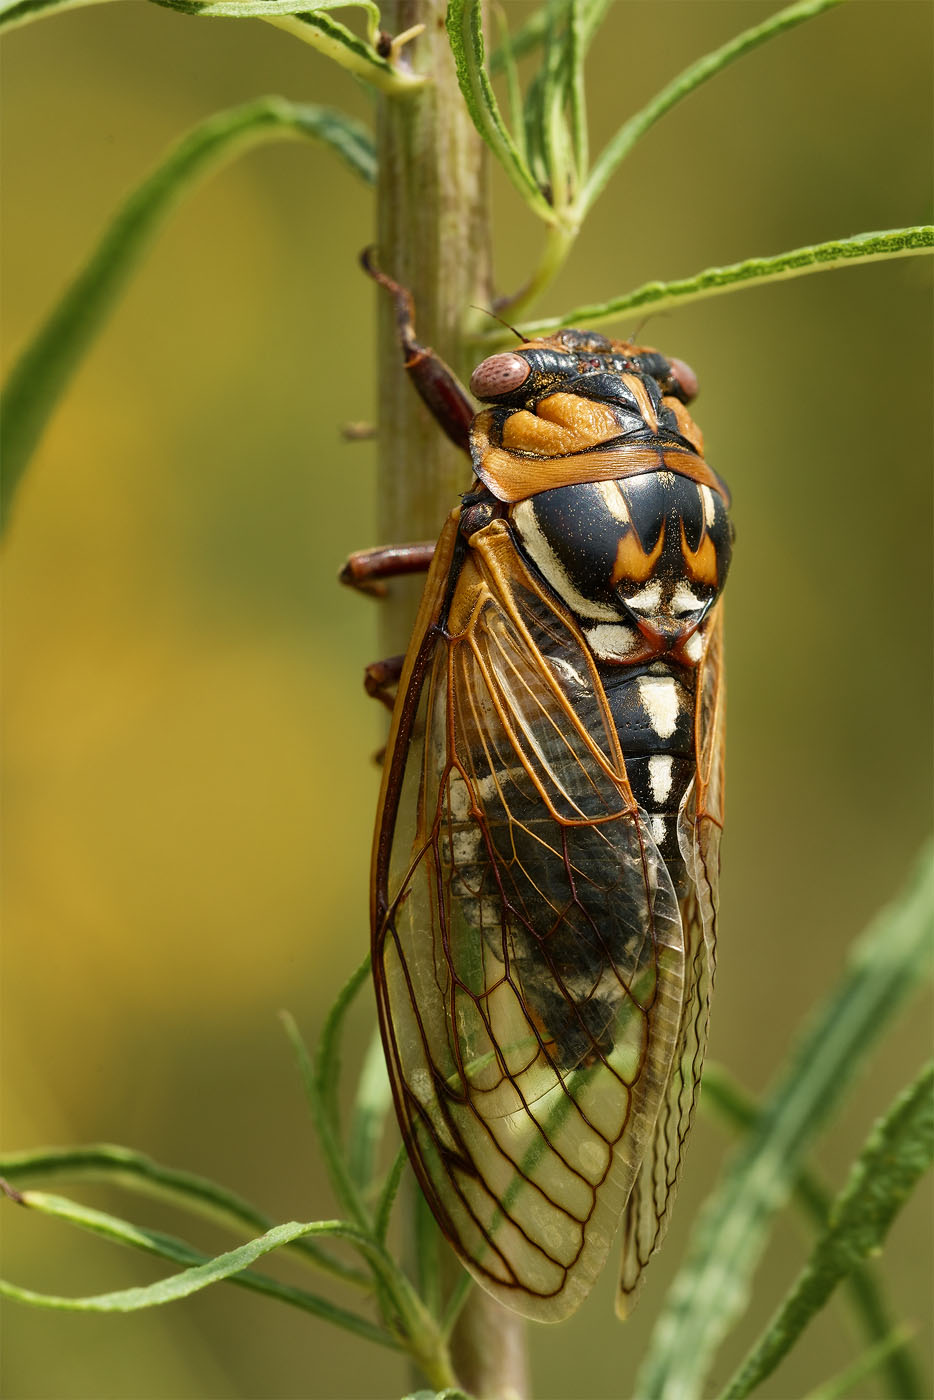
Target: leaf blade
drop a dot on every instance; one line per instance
(713, 281)
(45, 366)
(710, 1290)
(898, 1151)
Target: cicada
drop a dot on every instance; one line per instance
(546, 858)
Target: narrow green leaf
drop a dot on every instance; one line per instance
(266, 9)
(886, 965)
(513, 88)
(819, 257)
(322, 1117)
(898, 1152)
(136, 1172)
(168, 1247)
(449, 1393)
(39, 377)
(343, 47)
(722, 1094)
(871, 1360)
(526, 38)
(328, 1058)
(577, 51)
(201, 1273)
(372, 1104)
(388, 1195)
(556, 140)
(466, 38)
(687, 82)
(13, 13)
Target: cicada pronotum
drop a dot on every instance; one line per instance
(547, 849)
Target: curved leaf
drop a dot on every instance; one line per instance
(185, 1190)
(818, 257)
(164, 1246)
(40, 375)
(898, 1152)
(466, 37)
(685, 83)
(886, 965)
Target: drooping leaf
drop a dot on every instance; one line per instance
(134, 1171)
(41, 373)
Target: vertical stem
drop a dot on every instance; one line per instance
(433, 229)
(434, 237)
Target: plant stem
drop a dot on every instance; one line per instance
(433, 227)
(434, 238)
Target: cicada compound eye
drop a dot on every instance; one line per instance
(499, 374)
(687, 379)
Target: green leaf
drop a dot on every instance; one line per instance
(263, 9)
(43, 370)
(372, 1104)
(343, 47)
(13, 13)
(819, 257)
(323, 1116)
(328, 1071)
(871, 1360)
(886, 965)
(898, 1152)
(687, 82)
(202, 1272)
(722, 1094)
(466, 38)
(388, 1195)
(135, 1171)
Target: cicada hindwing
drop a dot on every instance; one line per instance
(547, 849)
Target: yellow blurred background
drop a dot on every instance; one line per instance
(188, 798)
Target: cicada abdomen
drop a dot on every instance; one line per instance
(546, 857)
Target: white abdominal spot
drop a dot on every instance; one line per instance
(611, 642)
(660, 777)
(660, 702)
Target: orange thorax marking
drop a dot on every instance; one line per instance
(632, 562)
(702, 562)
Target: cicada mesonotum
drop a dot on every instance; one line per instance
(547, 848)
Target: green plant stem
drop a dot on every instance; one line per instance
(433, 223)
(43, 370)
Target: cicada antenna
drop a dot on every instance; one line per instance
(485, 311)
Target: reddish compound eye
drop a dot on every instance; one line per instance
(687, 379)
(499, 374)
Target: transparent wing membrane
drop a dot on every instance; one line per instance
(539, 1013)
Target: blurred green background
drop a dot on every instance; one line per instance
(188, 796)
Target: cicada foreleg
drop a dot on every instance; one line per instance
(437, 385)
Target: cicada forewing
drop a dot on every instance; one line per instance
(699, 826)
(528, 943)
